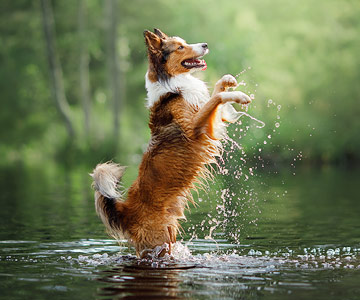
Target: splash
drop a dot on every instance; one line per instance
(234, 209)
(239, 259)
(262, 124)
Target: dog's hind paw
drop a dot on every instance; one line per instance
(158, 251)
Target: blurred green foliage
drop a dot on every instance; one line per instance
(303, 56)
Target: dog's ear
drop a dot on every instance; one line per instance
(160, 34)
(152, 41)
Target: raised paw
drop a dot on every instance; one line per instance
(228, 81)
(224, 83)
(235, 96)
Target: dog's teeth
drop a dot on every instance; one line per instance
(194, 63)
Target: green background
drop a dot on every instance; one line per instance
(300, 59)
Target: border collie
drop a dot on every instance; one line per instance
(186, 125)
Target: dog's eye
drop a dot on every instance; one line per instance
(181, 47)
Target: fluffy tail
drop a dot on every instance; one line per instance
(108, 205)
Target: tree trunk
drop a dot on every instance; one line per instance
(84, 66)
(114, 74)
(58, 90)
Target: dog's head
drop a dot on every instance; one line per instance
(171, 56)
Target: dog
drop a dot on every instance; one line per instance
(186, 125)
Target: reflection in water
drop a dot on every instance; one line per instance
(306, 244)
(139, 279)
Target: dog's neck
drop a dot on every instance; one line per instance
(192, 89)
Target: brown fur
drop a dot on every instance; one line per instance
(181, 146)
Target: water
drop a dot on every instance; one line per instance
(290, 237)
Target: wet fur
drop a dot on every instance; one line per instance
(183, 121)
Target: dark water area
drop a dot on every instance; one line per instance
(275, 236)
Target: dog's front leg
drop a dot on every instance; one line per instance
(205, 119)
(228, 112)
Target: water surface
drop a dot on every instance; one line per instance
(274, 236)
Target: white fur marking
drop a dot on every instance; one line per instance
(199, 49)
(106, 179)
(192, 89)
(229, 113)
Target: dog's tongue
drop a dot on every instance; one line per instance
(205, 67)
(202, 62)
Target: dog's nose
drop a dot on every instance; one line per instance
(205, 45)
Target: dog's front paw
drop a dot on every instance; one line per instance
(228, 81)
(236, 96)
(224, 83)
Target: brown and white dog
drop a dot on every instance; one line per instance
(186, 124)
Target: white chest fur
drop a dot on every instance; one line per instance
(192, 89)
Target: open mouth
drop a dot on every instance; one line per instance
(194, 63)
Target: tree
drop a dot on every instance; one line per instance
(55, 69)
(84, 66)
(115, 76)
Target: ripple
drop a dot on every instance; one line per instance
(17, 242)
(235, 258)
